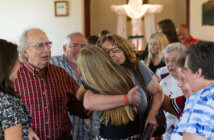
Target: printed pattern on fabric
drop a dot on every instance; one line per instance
(170, 88)
(81, 126)
(135, 137)
(198, 114)
(13, 112)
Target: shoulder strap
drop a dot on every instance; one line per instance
(141, 80)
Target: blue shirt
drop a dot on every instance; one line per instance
(198, 114)
(81, 126)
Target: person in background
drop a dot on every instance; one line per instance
(197, 119)
(167, 27)
(184, 36)
(14, 116)
(68, 61)
(176, 105)
(48, 91)
(157, 43)
(103, 33)
(169, 84)
(92, 40)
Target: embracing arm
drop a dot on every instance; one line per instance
(13, 133)
(102, 102)
(80, 93)
(157, 99)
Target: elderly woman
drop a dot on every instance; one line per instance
(169, 84)
(197, 120)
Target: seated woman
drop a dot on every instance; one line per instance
(175, 106)
(14, 116)
(101, 75)
(197, 119)
(169, 84)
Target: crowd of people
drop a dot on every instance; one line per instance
(98, 89)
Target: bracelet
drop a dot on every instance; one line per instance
(125, 99)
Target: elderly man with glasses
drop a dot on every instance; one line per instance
(48, 91)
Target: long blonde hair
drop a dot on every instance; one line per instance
(105, 76)
(162, 41)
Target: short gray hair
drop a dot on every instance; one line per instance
(67, 40)
(24, 44)
(180, 48)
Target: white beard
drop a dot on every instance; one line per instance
(74, 61)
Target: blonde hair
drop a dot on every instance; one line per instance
(122, 43)
(105, 76)
(162, 41)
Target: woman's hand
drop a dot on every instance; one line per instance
(133, 96)
(152, 120)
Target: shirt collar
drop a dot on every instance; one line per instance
(32, 69)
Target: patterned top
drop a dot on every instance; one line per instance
(49, 99)
(13, 112)
(178, 105)
(170, 88)
(198, 114)
(81, 126)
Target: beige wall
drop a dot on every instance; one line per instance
(15, 16)
(196, 28)
(103, 18)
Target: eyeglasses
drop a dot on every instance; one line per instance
(182, 80)
(41, 46)
(173, 61)
(113, 50)
(77, 45)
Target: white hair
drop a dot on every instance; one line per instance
(24, 44)
(180, 48)
(67, 40)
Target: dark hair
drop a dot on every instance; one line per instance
(92, 40)
(181, 61)
(8, 58)
(168, 28)
(201, 55)
(103, 33)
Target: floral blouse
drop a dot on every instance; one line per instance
(13, 112)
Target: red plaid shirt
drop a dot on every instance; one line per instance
(48, 99)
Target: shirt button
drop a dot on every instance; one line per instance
(46, 122)
(44, 93)
(45, 107)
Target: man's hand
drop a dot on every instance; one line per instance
(32, 135)
(133, 96)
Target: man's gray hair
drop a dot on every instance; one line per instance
(67, 40)
(180, 48)
(24, 44)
